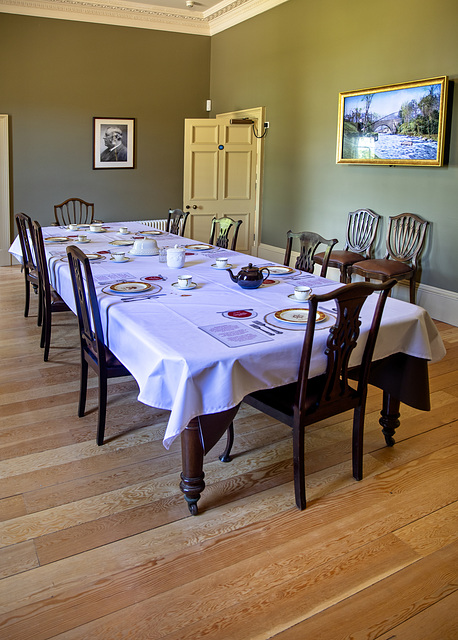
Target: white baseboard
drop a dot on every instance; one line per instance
(441, 305)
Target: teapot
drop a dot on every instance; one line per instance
(249, 277)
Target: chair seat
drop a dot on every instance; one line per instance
(340, 257)
(57, 303)
(389, 268)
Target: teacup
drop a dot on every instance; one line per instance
(184, 281)
(123, 230)
(221, 263)
(73, 227)
(95, 227)
(118, 256)
(82, 238)
(302, 293)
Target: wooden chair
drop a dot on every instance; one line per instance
(29, 263)
(309, 244)
(74, 211)
(222, 239)
(404, 242)
(360, 235)
(51, 300)
(176, 221)
(94, 353)
(310, 400)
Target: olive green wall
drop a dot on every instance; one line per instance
(57, 75)
(295, 59)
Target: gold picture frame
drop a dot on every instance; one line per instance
(398, 124)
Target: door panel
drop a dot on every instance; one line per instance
(220, 177)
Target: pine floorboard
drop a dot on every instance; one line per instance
(97, 542)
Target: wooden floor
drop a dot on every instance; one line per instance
(97, 542)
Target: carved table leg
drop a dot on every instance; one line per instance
(192, 455)
(390, 417)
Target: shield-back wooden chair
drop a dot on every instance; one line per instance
(310, 400)
(94, 353)
(51, 300)
(29, 262)
(309, 243)
(176, 221)
(222, 239)
(404, 242)
(74, 211)
(359, 238)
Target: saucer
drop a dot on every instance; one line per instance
(228, 266)
(125, 259)
(193, 285)
(97, 231)
(126, 233)
(83, 241)
(293, 297)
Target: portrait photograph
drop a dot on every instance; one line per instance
(113, 143)
(395, 124)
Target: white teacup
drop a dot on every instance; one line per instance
(184, 281)
(123, 230)
(95, 227)
(221, 263)
(73, 227)
(118, 256)
(82, 238)
(302, 293)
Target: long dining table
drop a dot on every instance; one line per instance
(198, 352)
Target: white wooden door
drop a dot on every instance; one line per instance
(220, 177)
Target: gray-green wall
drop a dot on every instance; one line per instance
(295, 59)
(57, 75)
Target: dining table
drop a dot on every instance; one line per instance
(197, 352)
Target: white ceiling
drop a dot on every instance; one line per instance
(206, 17)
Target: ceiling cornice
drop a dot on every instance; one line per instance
(144, 16)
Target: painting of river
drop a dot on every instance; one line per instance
(398, 124)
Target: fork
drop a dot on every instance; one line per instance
(256, 326)
(261, 324)
(157, 295)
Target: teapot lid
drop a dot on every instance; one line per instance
(250, 268)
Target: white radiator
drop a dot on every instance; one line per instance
(155, 224)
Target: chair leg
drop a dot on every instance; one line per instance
(343, 274)
(412, 290)
(46, 335)
(358, 442)
(40, 307)
(102, 409)
(299, 466)
(27, 298)
(83, 387)
(226, 455)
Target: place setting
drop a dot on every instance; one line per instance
(120, 257)
(221, 263)
(134, 289)
(184, 283)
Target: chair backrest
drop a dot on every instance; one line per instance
(87, 307)
(405, 238)
(176, 221)
(25, 231)
(341, 342)
(74, 211)
(309, 243)
(361, 229)
(39, 247)
(222, 239)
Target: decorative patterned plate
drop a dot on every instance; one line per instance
(199, 247)
(94, 256)
(56, 239)
(280, 270)
(240, 314)
(297, 316)
(122, 243)
(130, 287)
(153, 232)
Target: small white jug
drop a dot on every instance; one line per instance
(176, 257)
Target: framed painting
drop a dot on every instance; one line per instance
(114, 143)
(399, 124)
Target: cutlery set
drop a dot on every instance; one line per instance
(257, 324)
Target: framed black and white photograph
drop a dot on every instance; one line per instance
(114, 143)
(400, 124)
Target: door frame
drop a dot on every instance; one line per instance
(5, 220)
(257, 114)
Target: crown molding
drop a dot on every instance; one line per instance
(123, 13)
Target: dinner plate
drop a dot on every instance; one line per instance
(279, 270)
(56, 239)
(297, 316)
(130, 287)
(94, 256)
(193, 285)
(122, 243)
(228, 266)
(199, 247)
(153, 232)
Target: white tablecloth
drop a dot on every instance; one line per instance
(180, 367)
